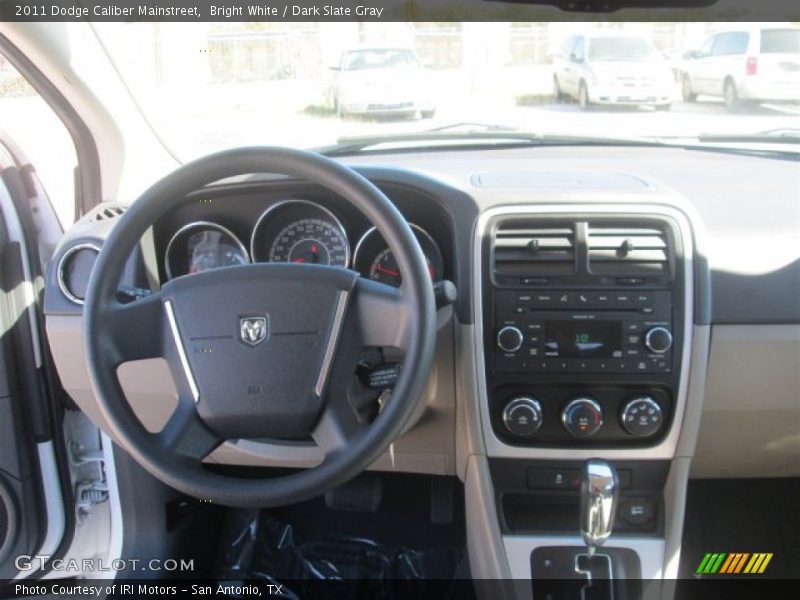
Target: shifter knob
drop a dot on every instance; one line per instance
(599, 489)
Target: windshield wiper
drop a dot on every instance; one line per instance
(488, 136)
(783, 135)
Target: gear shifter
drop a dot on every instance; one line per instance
(599, 489)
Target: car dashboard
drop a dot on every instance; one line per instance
(621, 305)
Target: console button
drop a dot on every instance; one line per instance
(582, 417)
(522, 416)
(642, 416)
(554, 479)
(637, 511)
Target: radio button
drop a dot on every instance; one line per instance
(622, 298)
(633, 327)
(584, 298)
(602, 298)
(509, 339)
(564, 298)
(658, 340)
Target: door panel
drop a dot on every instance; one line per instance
(31, 520)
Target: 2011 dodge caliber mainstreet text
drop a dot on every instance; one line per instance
(444, 299)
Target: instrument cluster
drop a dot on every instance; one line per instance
(297, 231)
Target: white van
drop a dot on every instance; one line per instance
(612, 69)
(746, 65)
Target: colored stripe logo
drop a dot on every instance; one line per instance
(734, 563)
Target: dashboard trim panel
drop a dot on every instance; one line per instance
(667, 447)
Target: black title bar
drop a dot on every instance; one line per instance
(398, 10)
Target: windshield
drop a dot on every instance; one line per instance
(206, 87)
(620, 48)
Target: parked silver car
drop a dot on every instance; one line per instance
(757, 65)
(382, 81)
(610, 69)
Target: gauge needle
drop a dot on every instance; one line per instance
(387, 271)
(299, 260)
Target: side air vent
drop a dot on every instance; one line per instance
(110, 212)
(625, 250)
(534, 250)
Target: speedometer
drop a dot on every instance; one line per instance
(310, 242)
(300, 232)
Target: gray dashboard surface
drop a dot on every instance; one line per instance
(750, 206)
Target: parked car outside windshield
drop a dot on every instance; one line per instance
(746, 66)
(382, 82)
(207, 87)
(613, 70)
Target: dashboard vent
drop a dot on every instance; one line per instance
(626, 250)
(110, 212)
(532, 250)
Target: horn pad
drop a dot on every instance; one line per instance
(256, 339)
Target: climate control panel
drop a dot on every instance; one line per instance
(601, 416)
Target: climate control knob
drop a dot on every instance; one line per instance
(658, 340)
(582, 417)
(642, 416)
(522, 416)
(509, 339)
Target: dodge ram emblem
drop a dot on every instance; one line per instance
(253, 330)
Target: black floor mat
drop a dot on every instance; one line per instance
(751, 515)
(388, 548)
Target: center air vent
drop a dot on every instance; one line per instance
(534, 250)
(627, 250)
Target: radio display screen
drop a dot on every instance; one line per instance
(583, 339)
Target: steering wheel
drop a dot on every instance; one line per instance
(259, 350)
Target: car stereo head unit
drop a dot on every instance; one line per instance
(583, 331)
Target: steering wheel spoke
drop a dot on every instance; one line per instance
(383, 313)
(337, 426)
(136, 330)
(185, 432)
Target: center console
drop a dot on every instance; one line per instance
(584, 344)
(582, 348)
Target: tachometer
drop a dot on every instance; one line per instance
(375, 260)
(202, 246)
(300, 232)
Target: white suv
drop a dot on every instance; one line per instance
(746, 65)
(612, 69)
